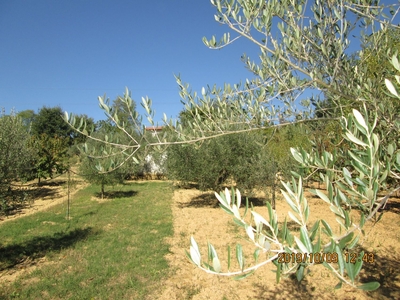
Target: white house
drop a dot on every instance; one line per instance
(151, 166)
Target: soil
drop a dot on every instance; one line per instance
(49, 193)
(197, 214)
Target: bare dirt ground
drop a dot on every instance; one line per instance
(51, 193)
(198, 214)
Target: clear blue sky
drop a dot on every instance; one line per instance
(67, 53)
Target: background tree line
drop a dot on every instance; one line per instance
(40, 146)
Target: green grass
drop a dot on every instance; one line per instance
(109, 250)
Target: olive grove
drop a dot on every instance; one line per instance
(306, 56)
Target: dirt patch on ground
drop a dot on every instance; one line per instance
(47, 195)
(26, 267)
(198, 214)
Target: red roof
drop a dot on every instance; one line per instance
(154, 128)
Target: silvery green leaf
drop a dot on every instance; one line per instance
(294, 218)
(355, 140)
(391, 87)
(305, 239)
(321, 195)
(296, 155)
(259, 219)
(327, 228)
(290, 202)
(216, 264)
(228, 196)
(395, 62)
(239, 256)
(221, 199)
(300, 273)
(194, 251)
(390, 149)
(240, 277)
(195, 256)
(340, 259)
(358, 264)
(238, 198)
(235, 211)
(300, 244)
(360, 119)
(370, 286)
(261, 239)
(250, 232)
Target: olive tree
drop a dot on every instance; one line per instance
(304, 50)
(240, 158)
(96, 172)
(15, 158)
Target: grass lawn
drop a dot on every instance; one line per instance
(113, 249)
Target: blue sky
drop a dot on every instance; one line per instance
(67, 53)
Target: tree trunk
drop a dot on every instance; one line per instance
(273, 193)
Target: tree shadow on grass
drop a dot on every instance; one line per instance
(209, 200)
(38, 247)
(187, 185)
(117, 194)
(53, 183)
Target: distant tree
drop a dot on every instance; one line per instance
(49, 121)
(101, 163)
(79, 138)
(51, 155)
(278, 142)
(241, 158)
(123, 116)
(101, 171)
(51, 139)
(27, 118)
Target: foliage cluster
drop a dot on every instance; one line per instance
(95, 173)
(240, 158)
(41, 145)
